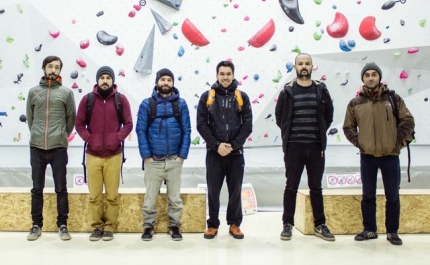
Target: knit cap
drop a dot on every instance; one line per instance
(105, 70)
(164, 72)
(371, 66)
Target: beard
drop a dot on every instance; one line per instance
(51, 76)
(166, 90)
(302, 75)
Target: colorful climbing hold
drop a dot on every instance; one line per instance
(368, 28)
(263, 35)
(278, 77)
(297, 50)
(100, 13)
(413, 50)
(74, 74)
(422, 23)
(54, 33)
(290, 67)
(106, 39)
(317, 35)
(181, 51)
(9, 39)
(84, 44)
(291, 9)
(291, 29)
(119, 49)
(38, 48)
(403, 75)
(256, 77)
(339, 27)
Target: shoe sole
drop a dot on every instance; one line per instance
(236, 236)
(176, 239)
(395, 243)
(285, 238)
(66, 239)
(33, 239)
(325, 238)
(210, 236)
(95, 239)
(364, 239)
(107, 238)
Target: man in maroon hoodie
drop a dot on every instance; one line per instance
(103, 135)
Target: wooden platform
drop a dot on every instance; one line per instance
(343, 211)
(15, 210)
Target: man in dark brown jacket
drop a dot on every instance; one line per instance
(371, 126)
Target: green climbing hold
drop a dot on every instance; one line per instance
(410, 90)
(208, 59)
(318, 2)
(19, 8)
(9, 39)
(317, 35)
(175, 23)
(278, 77)
(317, 23)
(297, 50)
(422, 22)
(21, 96)
(196, 140)
(397, 54)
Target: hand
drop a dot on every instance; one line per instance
(224, 149)
(180, 159)
(148, 159)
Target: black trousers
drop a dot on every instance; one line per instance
(390, 171)
(232, 169)
(58, 159)
(295, 161)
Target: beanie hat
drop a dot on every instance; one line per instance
(371, 66)
(164, 72)
(105, 70)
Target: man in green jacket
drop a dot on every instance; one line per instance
(51, 114)
(371, 126)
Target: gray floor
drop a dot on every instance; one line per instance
(260, 246)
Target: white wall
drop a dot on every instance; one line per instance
(30, 28)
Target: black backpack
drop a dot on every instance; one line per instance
(153, 112)
(393, 101)
(90, 105)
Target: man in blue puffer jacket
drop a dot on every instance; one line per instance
(163, 146)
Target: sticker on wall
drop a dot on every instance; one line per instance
(106, 39)
(368, 28)
(163, 25)
(175, 4)
(193, 34)
(263, 35)
(291, 9)
(339, 27)
(144, 61)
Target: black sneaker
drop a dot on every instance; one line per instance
(365, 235)
(175, 233)
(64, 233)
(287, 232)
(96, 235)
(107, 236)
(394, 239)
(147, 234)
(323, 232)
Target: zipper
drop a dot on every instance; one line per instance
(47, 114)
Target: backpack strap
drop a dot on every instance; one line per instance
(211, 98)
(89, 105)
(177, 114)
(119, 113)
(239, 100)
(152, 111)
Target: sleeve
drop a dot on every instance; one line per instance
(81, 120)
(127, 119)
(30, 109)
(280, 105)
(246, 127)
(70, 112)
(203, 123)
(142, 129)
(406, 124)
(186, 125)
(350, 126)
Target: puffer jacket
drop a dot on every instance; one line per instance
(284, 112)
(164, 136)
(371, 126)
(223, 122)
(103, 134)
(51, 113)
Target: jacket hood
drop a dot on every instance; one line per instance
(366, 92)
(219, 89)
(174, 96)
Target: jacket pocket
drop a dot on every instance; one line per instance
(112, 142)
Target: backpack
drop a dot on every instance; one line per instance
(393, 101)
(153, 112)
(90, 105)
(237, 95)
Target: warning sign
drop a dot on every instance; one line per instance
(343, 180)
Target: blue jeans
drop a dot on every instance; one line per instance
(390, 170)
(156, 172)
(295, 161)
(58, 159)
(232, 169)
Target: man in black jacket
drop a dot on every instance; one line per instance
(304, 112)
(225, 122)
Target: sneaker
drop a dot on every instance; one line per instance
(35, 233)
(323, 232)
(147, 234)
(235, 232)
(365, 235)
(96, 235)
(210, 233)
(107, 236)
(287, 232)
(175, 233)
(394, 239)
(64, 233)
